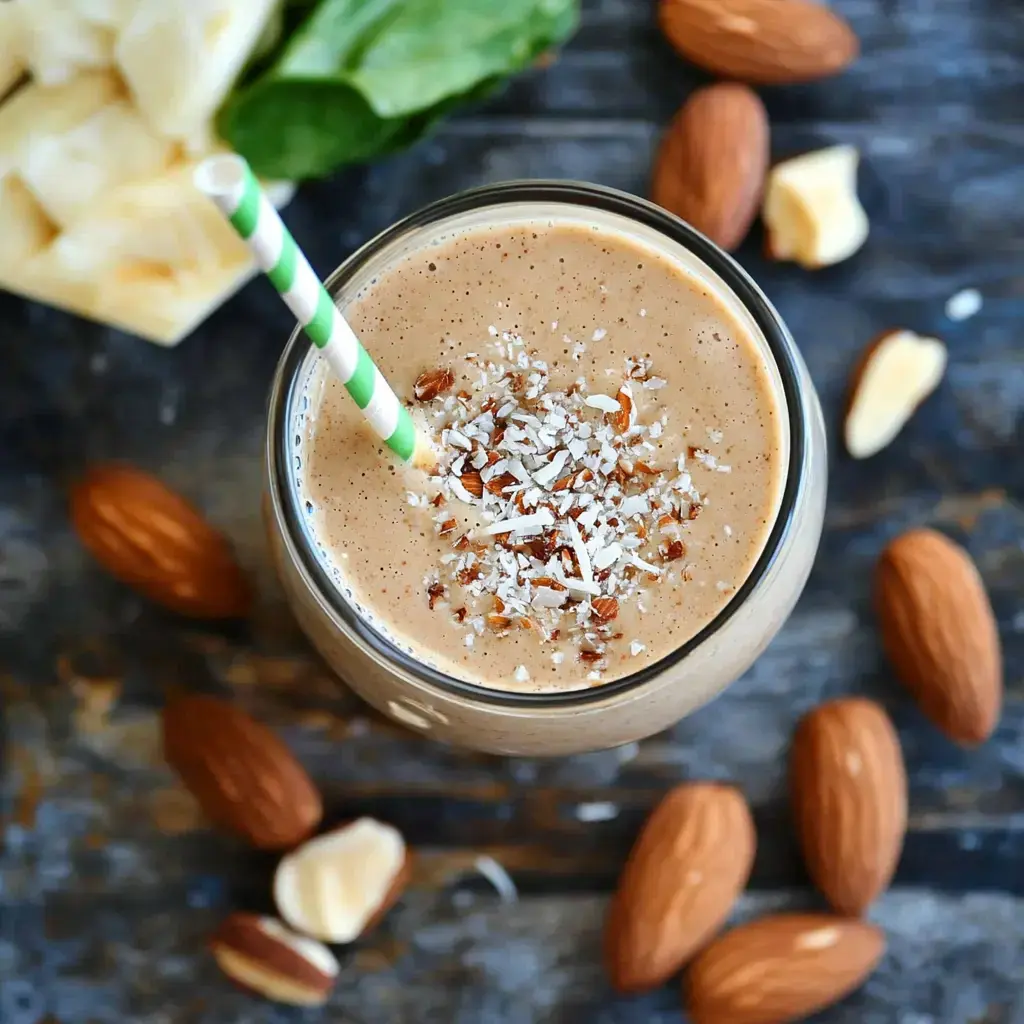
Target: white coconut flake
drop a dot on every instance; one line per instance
(522, 674)
(655, 383)
(964, 304)
(520, 523)
(498, 877)
(603, 402)
(598, 810)
(599, 334)
(635, 647)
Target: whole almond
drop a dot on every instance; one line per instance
(263, 956)
(780, 968)
(849, 789)
(244, 778)
(710, 169)
(147, 536)
(760, 41)
(686, 869)
(940, 633)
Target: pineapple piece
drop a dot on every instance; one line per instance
(35, 111)
(12, 46)
(180, 57)
(69, 172)
(151, 257)
(66, 37)
(26, 228)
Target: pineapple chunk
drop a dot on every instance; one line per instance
(69, 172)
(35, 111)
(65, 37)
(12, 46)
(26, 228)
(180, 57)
(151, 257)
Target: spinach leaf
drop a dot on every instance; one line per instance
(360, 78)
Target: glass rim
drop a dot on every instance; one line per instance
(281, 410)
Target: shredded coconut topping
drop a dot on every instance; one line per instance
(552, 503)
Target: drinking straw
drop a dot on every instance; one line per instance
(229, 182)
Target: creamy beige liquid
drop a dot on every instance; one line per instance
(589, 306)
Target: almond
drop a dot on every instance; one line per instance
(339, 885)
(147, 536)
(780, 968)
(605, 608)
(473, 482)
(263, 956)
(244, 778)
(940, 634)
(760, 41)
(896, 373)
(684, 873)
(849, 789)
(432, 383)
(711, 166)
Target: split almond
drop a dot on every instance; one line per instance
(263, 956)
(940, 634)
(849, 789)
(340, 884)
(760, 41)
(147, 536)
(244, 778)
(711, 166)
(683, 876)
(895, 375)
(781, 968)
(811, 211)
(432, 383)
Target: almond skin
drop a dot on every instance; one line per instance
(244, 778)
(780, 968)
(940, 634)
(686, 869)
(849, 790)
(711, 166)
(767, 42)
(147, 536)
(262, 956)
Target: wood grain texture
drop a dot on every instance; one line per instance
(109, 877)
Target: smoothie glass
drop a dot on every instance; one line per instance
(629, 708)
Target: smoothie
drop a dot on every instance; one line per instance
(610, 448)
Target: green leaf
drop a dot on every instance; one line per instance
(362, 77)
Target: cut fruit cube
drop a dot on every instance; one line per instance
(65, 37)
(36, 110)
(69, 172)
(26, 228)
(12, 46)
(180, 57)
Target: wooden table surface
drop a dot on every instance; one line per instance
(110, 879)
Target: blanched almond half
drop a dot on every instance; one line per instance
(896, 374)
(337, 885)
(811, 210)
(261, 955)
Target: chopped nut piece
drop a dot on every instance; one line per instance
(432, 383)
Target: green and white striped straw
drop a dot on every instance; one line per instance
(230, 183)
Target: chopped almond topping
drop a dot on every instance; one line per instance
(432, 383)
(472, 482)
(434, 593)
(605, 608)
(447, 527)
